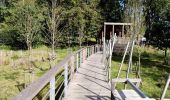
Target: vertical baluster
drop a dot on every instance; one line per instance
(110, 59)
(83, 55)
(65, 78)
(72, 66)
(52, 89)
(87, 52)
(80, 58)
(77, 61)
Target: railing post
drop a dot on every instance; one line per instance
(88, 51)
(52, 89)
(80, 58)
(77, 61)
(72, 66)
(65, 78)
(165, 88)
(110, 59)
(84, 55)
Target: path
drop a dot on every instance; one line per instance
(89, 83)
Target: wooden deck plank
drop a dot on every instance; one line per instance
(89, 83)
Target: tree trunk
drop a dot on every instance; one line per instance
(165, 56)
(53, 25)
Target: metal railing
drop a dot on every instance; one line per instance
(55, 81)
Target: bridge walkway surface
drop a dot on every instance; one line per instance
(90, 82)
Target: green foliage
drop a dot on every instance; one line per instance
(158, 24)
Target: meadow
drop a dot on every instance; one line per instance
(18, 69)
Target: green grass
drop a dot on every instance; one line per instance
(153, 71)
(15, 64)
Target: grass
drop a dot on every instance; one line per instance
(154, 72)
(13, 74)
(14, 67)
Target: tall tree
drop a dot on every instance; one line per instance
(25, 20)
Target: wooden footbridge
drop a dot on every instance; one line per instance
(85, 75)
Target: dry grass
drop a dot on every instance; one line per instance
(15, 67)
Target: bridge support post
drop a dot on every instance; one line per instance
(65, 78)
(52, 89)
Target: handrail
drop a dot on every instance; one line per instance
(137, 89)
(33, 89)
(131, 82)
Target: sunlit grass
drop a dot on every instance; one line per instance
(154, 72)
(15, 64)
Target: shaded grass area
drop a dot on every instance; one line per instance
(14, 78)
(154, 72)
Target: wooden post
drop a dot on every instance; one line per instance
(72, 67)
(52, 89)
(113, 30)
(104, 43)
(65, 78)
(110, 58)
(123, 30)
(165, 88)
(81, 56)
(77, 62)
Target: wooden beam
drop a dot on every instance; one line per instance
(111, 23)
(122, 80)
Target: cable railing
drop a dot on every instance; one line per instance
(54, 83)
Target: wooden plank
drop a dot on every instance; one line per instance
(90, 83)
(122, 80)
(111, 23)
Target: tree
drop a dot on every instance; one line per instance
(158, 24)
(84, 18)
(160, 33)
(25, 21)
(112, 10)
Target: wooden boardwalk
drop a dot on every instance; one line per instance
(89, 83)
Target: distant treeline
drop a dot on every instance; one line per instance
(27, 23)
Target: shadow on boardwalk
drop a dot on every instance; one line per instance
(90, 82)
